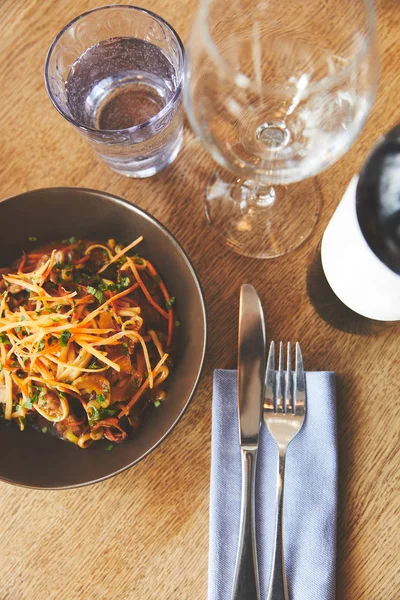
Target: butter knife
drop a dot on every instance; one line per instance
(251, 376)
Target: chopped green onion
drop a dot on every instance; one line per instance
(44, 429)
(157, 403)
(4, 339)
(110, 447)
(32, 238)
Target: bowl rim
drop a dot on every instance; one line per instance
(136, 209)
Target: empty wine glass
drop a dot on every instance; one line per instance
(277, 91)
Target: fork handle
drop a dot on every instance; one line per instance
(246, 585)
(277, 582)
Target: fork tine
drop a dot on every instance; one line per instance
(270, 378)
(300, 388)
(289, 380)
(280, 382)
(271, 358)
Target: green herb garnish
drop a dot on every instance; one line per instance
(98, 294)
(64, 338)
(98, 414)
(41, 345)
(123, 283)
(94, 365)
(100, 398)
(170, 302)
(103, 286)
(32, 238)
(33, 400)
(157, 403)
(4, 339)
(71, 240)
(44, 429)
(110, 447)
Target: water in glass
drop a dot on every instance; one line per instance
(121, 83)
(116, 74)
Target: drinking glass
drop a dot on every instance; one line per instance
(277, 91)
(115, 73)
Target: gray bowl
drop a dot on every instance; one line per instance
(32, 459)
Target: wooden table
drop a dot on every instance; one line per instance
(144, 534)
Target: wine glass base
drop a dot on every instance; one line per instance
(275, 224)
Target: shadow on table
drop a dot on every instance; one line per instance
(346, 575)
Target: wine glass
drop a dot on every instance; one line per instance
(277, 91)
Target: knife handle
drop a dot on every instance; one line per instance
(246, 584)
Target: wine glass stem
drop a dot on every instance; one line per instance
(262, 195)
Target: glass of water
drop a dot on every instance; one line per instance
(116, 73)
(277, 91)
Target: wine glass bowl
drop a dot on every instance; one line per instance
(277, 93)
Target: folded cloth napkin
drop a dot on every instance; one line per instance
(310, 494)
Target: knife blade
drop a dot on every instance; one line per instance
(251, 381)
(251, 365)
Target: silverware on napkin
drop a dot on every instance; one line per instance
(251, 377)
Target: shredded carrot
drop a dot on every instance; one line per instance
(60, 341)
(142, 388)
(98, 310)
(99, 355)
(50, 265)
(144, 288)
(22, 263)
(167, 297)
(121, 253)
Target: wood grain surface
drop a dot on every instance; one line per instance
(144, 534)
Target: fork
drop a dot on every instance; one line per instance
(284, 412)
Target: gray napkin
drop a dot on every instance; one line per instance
(310, 494)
